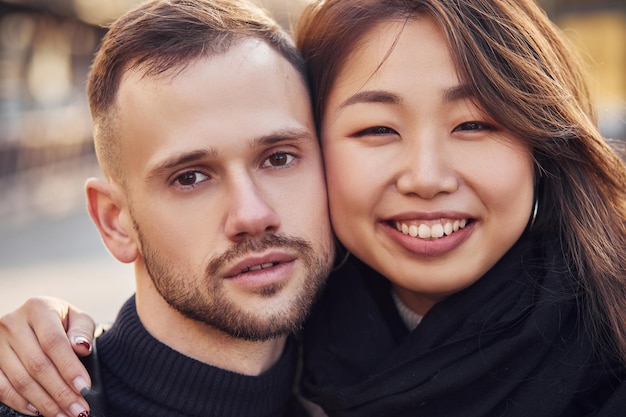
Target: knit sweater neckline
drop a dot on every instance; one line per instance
(143, 376)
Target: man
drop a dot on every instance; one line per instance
(215, 191)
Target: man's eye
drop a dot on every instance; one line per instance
(278, 159)
(190, 178)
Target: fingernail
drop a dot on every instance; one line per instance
(31, 408)
(82, 341)
(78, 411)
(80, 384)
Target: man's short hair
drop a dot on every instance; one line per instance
(163, 36)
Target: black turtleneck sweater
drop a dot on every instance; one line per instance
(138, 376)
(143, 377)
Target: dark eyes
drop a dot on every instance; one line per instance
(190, 178)
(463, 127)
(278, 159)
(375, 131)
(472, 126)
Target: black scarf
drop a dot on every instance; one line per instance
(512, 344)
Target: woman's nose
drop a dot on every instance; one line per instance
(425, 169)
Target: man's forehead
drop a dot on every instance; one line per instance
(257, 51)
(243, 99)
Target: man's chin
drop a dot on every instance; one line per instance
(258, 330)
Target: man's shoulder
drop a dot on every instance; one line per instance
(6, 411)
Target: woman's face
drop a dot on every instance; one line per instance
(424, 187)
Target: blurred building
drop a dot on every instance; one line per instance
(599, 32)
(46, 47)
(45, 129)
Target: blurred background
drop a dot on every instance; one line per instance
(48, 245)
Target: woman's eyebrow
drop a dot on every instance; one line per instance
(457, 92)
(372, 96)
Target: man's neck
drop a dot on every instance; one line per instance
(202, 342)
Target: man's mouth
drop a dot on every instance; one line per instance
(260, 263)
(259, 267)
(433, 230)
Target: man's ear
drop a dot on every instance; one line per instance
(108, 208)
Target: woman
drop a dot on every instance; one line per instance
(485, 215)
(466, 173)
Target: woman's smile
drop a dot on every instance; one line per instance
(431, 230)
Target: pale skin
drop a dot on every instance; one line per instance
(420, 152)
(208, 168)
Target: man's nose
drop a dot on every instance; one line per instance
(249, 211)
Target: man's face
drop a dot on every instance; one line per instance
(225, 185)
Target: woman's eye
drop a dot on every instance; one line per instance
(191, 178)
(473, 126)
(278, 159)
(375, 131)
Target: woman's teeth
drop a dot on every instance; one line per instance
(435, 231)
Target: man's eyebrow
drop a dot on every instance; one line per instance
(171, 163)
(371, 96)
(180, 159)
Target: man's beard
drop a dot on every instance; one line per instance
(203, 298)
